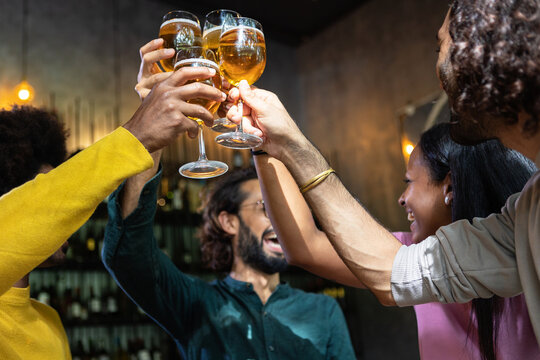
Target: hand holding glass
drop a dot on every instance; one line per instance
(242, 56)
(203, 168)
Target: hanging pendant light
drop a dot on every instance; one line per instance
(24, 91)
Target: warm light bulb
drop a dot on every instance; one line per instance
(24, 91)
(409, 149)
(24, 94)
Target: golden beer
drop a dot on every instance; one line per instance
(210, 43)
(182, 35)
(242, 54)
(214, 81)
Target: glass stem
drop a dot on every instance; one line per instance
(241, 110)
(202, 149)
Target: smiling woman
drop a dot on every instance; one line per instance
(425, 200)
(447, 182)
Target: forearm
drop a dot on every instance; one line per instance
(304, 245)
(131, 255)
(132, 188)
(365, 246)
(37, 217)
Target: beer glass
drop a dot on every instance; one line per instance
(242, 56)
(210, 41)
(202, 168)
(181, 31)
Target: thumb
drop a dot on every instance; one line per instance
(250, 98)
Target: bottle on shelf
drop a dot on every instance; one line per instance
(76, 306)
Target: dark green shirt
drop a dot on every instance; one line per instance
(224, 319)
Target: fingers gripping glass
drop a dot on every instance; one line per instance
(210, 41)
(203, 168)
(242, 56)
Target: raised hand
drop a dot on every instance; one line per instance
(264, 115)
(163, 115)
(149, 72)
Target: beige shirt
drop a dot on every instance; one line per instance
(497, 255)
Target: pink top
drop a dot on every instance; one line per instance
(443, 329)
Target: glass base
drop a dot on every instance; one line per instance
(203, 169)
(239, 140)
(222, 125)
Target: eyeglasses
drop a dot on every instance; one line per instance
(257, 203)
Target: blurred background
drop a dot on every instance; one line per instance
(357, 76)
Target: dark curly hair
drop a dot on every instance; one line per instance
(29, 138)
(495, 60)
(216, 246)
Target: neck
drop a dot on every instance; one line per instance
(515, 138)
(263, 284)
(22, 282)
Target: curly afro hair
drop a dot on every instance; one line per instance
(216, 244)
(495, 57)
(29, 138)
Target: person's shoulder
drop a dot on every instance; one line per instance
(404, 237)
(534, 182)
(530, 195)
(46, 311)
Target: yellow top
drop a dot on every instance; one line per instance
(29, 329)
(37, 217)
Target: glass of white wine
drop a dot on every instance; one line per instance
(242, 56)
(210, 41)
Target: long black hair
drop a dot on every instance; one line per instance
(483, 177)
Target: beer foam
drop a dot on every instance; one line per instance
(243, 27)
(206, 62)
(175, 20)
(215, 28)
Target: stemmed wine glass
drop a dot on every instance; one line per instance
(242, 56)
(181, 31)
(202, 168)
(210, 41)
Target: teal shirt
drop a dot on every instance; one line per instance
(224, 319)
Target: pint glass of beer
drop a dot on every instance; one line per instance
(242, 56)
(202, 168)
(181, 31)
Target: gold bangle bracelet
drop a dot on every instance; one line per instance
(316, 180)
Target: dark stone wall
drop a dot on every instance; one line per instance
(73, 58)
(354, 76)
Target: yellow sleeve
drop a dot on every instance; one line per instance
(37, 217)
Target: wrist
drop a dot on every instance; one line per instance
(293, 149)
(304, 161)
(258, 152)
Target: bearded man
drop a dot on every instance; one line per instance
(247, 315)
